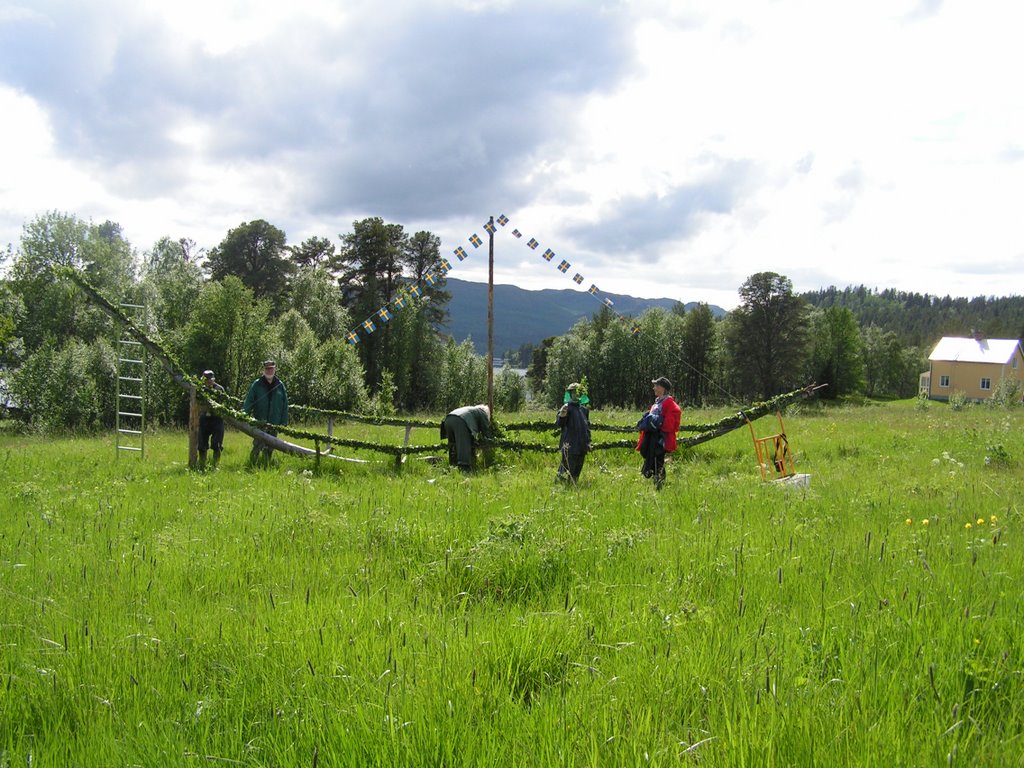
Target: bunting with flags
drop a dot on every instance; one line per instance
(444, 266)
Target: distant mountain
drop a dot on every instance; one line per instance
(528, 317)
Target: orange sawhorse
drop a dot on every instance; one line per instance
(773, 455)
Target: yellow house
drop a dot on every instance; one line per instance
(973, 366)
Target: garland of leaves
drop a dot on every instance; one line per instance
(497, 438)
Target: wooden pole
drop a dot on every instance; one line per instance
(193, 428)
(490, 317)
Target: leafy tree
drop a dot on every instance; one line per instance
(171, 282)
(463, 376)
(835, 355)
(254, 252)
(766, 336)
(369, 269)
(699, 351)
(422, 257)
(316, 296)
(55, 307)
(230, 332)
(313, 252)
(509, 390)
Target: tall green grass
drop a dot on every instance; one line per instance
(352, 614)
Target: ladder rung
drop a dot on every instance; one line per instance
(126, 360)
(129, 378)
(130, 397)
(129, 413)
(129, 432)
(134, 306)
(127, 448)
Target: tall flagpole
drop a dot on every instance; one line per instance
(490, 317)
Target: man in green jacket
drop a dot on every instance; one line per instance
(267, 401)
(462, 429)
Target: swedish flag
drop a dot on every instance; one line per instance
(475, 240)
(400, 302)
(516, 233)
(532, 244)
(489, 227)
(608, 302)
(384, 315)
(369, 326)
(548, 255)
(352, 337)
(593, 289)
(445, 265)
(577, 278)
(563, 266)
(503, 219)
(461, 253)
(415, 291)
(636, 330)
(430, 278)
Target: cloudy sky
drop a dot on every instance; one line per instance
(665, 148)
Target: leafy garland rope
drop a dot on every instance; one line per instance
(221, 407)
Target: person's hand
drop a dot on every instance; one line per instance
(564, 410)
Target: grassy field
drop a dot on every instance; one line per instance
(353, 615)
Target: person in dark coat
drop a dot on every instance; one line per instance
(211, 426)
(266, 401)
(658, 429)
(574, 420)
(462, 429)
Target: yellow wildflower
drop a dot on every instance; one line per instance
(909, 521)
(994, 519)
(981, 521)
(967, 525)
(925, 521)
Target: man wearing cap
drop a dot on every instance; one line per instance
(462, 429)
(266, 401)
(211, 426)
(574, 420)
(658, 429)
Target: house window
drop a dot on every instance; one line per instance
(944, 381)
(1014, 364)
(986, 383)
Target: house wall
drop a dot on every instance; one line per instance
(966, 377)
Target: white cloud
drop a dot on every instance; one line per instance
(663, 149)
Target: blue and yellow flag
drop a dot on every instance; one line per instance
(383, 314)
(490, 227)
(475, 240)
(516, 233)
(400, 302)
(593, 289)
(532, 244)
(577, 278)
(444, 265)
(415, 291)
(430, 278)
(608, 302)
(563, 266)
(352, 337)
(548, 255)
(636, 330)
(369, 326)
(503, 219)
(460, 252)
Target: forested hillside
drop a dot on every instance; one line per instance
(921, 319)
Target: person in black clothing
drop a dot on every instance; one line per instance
(211, 426)
(574, 420)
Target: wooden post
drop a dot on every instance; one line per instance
(193, 428)
(330, 434)
(490, 318)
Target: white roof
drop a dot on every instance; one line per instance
(970, 350)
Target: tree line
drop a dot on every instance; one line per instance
(253, 296)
